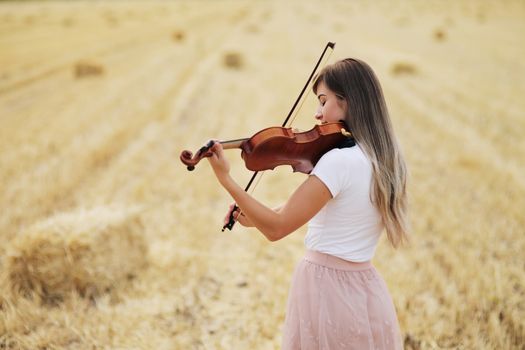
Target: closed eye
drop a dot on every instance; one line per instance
(322, 99)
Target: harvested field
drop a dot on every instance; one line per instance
(108, 242)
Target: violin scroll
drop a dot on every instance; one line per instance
(191, 161)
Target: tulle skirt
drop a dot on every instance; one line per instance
(338, 304)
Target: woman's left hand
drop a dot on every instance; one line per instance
(218, 161)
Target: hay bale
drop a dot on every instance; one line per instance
(252, 28)
(87, 251)
(439, 34)
(403, 68)
(87, 69)
(178, 35)
(68, 22)
(233, 60)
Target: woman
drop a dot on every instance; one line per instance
(337, 298)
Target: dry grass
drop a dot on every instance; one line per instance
(81, 268)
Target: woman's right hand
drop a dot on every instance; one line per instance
(238, 216)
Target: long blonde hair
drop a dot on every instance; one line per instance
(367, 118)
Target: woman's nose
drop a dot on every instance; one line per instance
(318, 114)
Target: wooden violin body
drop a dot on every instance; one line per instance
(276, 146)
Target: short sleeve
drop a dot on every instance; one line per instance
(331, 169)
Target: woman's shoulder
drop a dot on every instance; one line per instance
(349, 156)
(340, 167)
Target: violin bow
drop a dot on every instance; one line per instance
(231, 219)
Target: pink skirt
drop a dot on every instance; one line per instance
(338, 304)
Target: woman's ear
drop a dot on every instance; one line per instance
(341, 101)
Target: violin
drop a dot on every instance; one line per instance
(267, 144)
(275, 146)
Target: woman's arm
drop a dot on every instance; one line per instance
(305, 202)
(242, 218)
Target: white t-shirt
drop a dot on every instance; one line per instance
(348, 226)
